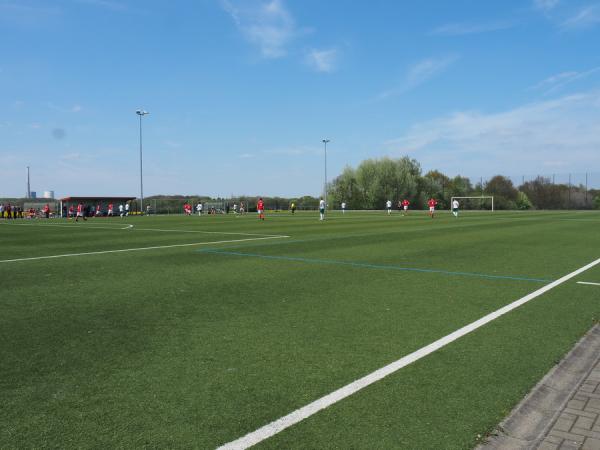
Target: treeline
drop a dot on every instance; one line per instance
(375, 181)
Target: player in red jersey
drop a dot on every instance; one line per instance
(80, 213)
(71, 211)
(260, 208)
(432, 203)
(405, 205)
(110, 210)
(97, 210)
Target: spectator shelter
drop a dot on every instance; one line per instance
(90, 203)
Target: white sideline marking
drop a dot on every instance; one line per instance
(208, 232)
(126, 227)
(300, 414)
(587, 282)
(139, 249)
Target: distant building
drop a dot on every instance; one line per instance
(49, 194)
(33, 194)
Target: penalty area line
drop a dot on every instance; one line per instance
(137, 249)
(300, 414)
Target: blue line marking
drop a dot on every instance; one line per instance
(372, 266)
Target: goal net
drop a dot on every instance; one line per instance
(480, 203)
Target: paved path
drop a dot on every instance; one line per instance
(563, 411)
(578, 425)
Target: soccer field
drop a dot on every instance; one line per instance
(191, 332)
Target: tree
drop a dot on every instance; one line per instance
(523, 201)
(504, 192)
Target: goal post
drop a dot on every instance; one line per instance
(482, 198)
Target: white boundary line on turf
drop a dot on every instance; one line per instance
(589, 283)
(126, 227)
(300, 414)
(34, 258)
(208, 232)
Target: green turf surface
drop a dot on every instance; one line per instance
(196, 345)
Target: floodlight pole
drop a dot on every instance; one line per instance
(141, 113)
(325, 141)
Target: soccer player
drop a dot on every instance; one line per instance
(432, 203)
(242, 209)
(110, 210)
(405, 204)
(455, 206)
(199, 208)
(293, 208)
(97, 210)
(80, 213)
(260, 208)
(71, 211)
(388, 205)
(343, 207)
(322, 209)
(46, 210)
(121, 210)
(127, 208)
(235, 209)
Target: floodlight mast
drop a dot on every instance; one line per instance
(141, 113)
(325, 142)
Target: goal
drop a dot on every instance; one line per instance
(479, 202)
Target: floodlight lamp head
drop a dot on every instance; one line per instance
(141, 112)
(325, 141)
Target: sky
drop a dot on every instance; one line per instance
(241, 93)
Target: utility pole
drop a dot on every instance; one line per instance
(325, 142)
(28, 185)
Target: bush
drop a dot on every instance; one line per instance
(523, 201)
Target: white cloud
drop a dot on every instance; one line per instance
(268, 25)
(526, 138)
(76, 108)
(558, 81)
(586, 17)
(322, 60)
(545, 5)
(247, 155)
(419, 73)
(459, 29)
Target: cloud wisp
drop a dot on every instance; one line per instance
(461, 29)
(586, 17)
(420, 73)
(545, 5)
(529, 137)
(559, 81)
(324, 60)
(267, 25)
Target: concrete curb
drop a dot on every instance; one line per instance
(528, 424)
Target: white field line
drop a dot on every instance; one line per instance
(87, 227)
(208, 232)
(300, 414)
(127, 227)
(137, 249)
(587, 282)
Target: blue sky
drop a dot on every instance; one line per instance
(241, 92)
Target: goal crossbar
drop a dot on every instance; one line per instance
(479, 197)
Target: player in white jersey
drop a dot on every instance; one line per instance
(455, 206)
(199, 208)
(343, 207)
(235, 209)
(322, 209)
(388, 205)
(121, 210)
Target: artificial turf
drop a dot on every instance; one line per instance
(195, 346)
